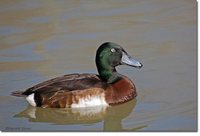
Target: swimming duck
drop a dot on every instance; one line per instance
(87, 90)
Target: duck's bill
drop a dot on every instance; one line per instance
(128, 60)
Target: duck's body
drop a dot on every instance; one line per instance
(79, 90)
(87, 90)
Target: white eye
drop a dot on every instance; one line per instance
(113, 50)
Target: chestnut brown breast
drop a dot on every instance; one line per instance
(120, 91)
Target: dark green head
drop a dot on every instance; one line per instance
(108, 56)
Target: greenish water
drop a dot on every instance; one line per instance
(40, 40)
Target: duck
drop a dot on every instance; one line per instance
(84, 90)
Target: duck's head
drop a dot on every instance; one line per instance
(108, 56)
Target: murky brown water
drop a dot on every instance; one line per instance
(40, 40)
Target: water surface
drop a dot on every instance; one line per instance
(40, 40)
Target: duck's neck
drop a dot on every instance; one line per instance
(108, 73)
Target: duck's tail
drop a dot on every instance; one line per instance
(18, 94)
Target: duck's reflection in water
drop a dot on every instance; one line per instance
(111, 116)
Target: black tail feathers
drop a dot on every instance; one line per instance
(18, 94)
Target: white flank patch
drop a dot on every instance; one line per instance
(90, 102)
(89, 111)
(30, 99)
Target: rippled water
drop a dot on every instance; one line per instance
(40, 40)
